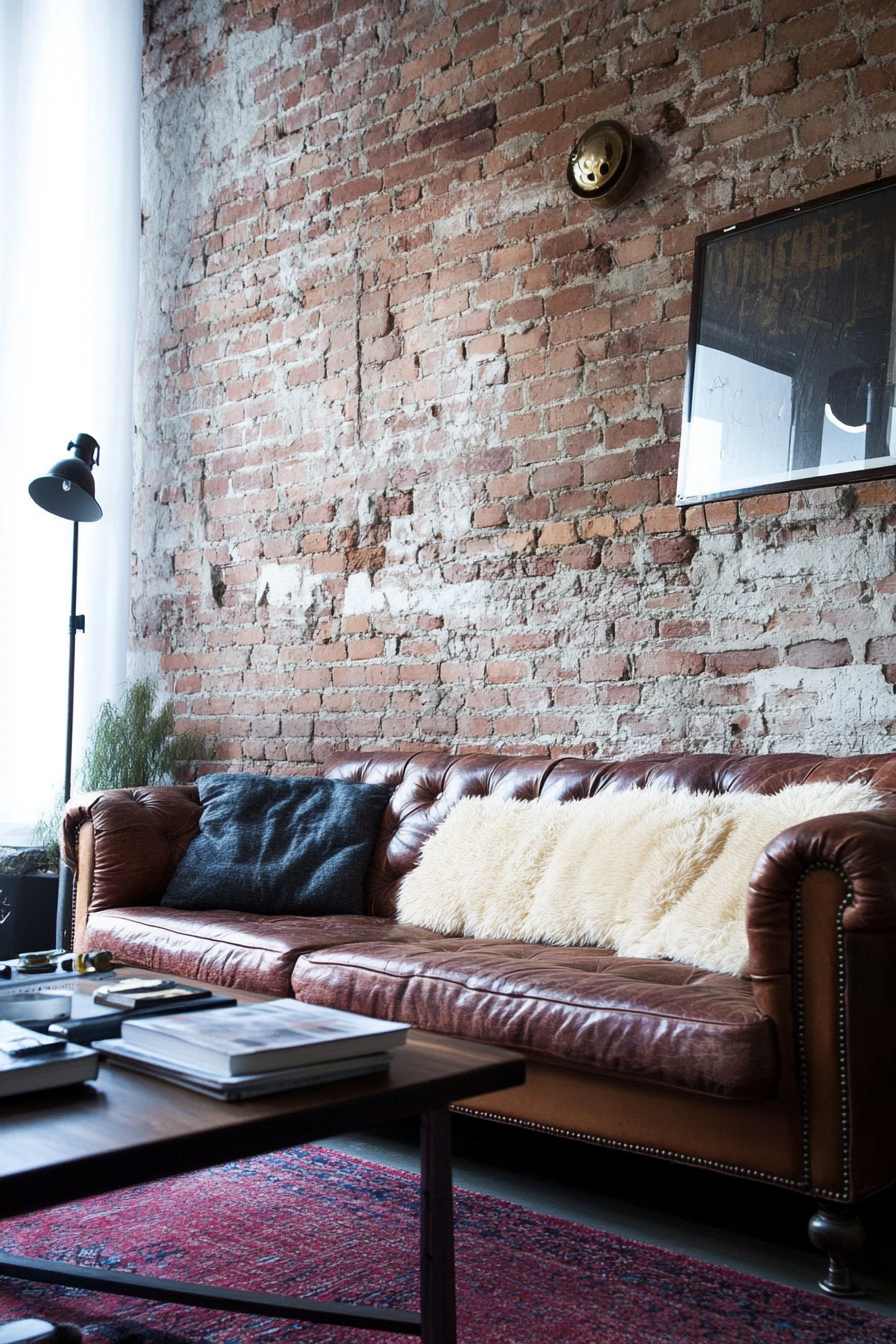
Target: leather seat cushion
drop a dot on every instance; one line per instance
(228, 947)
(658, 1021)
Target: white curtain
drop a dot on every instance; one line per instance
(69, 241)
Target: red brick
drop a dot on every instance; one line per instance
(722, 513)
(812, 98)
(740, 662)
(820, 653)
(675, 241)
(502, 671)
(873, 494)
(881, 650)
(667, 519)
(841, 55)
(671, 14)
(605, 667)
(669, 662)
(556, 475)
(773, 146)
(672, 550)
(745, 122)
(734, 55)
(330, 653)
(776, 78)
(365, 648)
(880, 79)
(557, 534)
(635, 250)
(493, 515)
(773, 11)
(764, 506)
(617, 555)
(629, 494)
(650, 55)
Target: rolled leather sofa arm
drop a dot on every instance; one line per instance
(821, 924)
(124, 844)
(860, 847)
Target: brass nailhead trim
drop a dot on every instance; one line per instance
(74, 908)
(846, 1192)
(631, 1147)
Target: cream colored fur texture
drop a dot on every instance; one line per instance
(647, 872)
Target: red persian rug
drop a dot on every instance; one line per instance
(314, 1223)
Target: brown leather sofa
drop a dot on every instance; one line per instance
(787, 1075)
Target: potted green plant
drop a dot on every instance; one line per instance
(130, 744)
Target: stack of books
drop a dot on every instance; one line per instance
(33, 1062)
(255, 1049)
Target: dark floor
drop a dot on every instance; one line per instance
(737, 1224)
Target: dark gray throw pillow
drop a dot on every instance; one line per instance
(276, 846)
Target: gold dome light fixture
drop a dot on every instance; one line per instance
(605, 164)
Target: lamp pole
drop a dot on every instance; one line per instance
(75, 623)
(68, 491)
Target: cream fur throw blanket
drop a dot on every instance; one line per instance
(647, 872)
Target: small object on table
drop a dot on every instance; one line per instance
(19, 1043)
(46, 1067)
(131, 986)
(100, 960)
(179, 995)
(39, 963)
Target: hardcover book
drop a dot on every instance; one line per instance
(260, 1037)
(33, 1062)
(230, 1087)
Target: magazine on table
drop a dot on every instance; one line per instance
(230, 1087)
(261, 1037)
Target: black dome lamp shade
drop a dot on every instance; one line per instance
(68, 491)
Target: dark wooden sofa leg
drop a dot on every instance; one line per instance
(836, 1230)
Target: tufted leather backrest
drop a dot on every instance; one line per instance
(427, 784)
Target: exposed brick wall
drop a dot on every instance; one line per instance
(408, 411)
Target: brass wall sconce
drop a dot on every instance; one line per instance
(605, 164)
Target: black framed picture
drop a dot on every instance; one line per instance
(792, 349)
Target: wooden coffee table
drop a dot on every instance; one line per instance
(128, 1128)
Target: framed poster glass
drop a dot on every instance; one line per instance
(792, 350)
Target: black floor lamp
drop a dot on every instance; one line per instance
(68, 490)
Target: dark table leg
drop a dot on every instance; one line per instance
(438, 1312)
(436, 1323)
